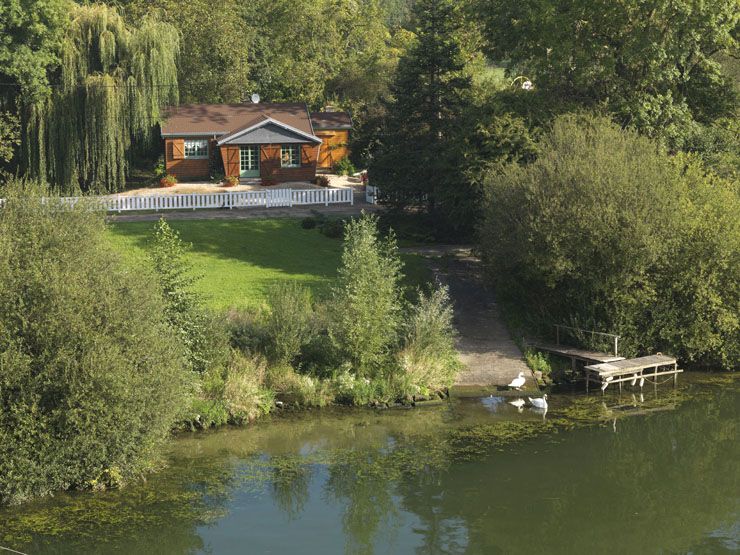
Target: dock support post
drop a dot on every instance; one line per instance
(675, 374)
(586, 373)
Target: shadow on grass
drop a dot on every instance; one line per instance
(240, 259)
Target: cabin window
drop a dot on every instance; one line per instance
(196, 148)
(290, 156)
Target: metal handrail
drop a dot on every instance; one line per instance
(592, 332)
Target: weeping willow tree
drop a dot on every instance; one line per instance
(111, 85)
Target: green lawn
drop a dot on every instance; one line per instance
(239, 259)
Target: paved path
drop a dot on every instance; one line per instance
(336, 210)
(490, 356)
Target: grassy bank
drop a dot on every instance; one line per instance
(240, 259)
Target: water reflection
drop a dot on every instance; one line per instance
(600, 474)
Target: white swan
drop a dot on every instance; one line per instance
(518, 403)
(517, 382)
(539, 403)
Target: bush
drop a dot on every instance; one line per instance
(308, 223)
(92, 376)
(292, 388)
(245, 394)
(159, 169)
(538, 362)
(321, 181)
(429, 361)
(217, 177)
(168, 181)
(332, 228)
(288, 322)
(344, 167)
(231, 181)
(366, 301)
(607, 230)
(246, 331)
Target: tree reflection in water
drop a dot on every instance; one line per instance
(457, 479)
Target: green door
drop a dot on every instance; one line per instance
(249, 161)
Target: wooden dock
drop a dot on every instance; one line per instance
(575, 354)
(633, 370)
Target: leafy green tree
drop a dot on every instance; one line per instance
(92, 376)
(204, 340)
(419, 157)
(652, 64)
(607, 231)
(367, 307)
(318, 51)
(30, 39)
(32, 33)
(9, 136)
(213, 65)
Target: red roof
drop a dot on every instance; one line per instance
(219, 119)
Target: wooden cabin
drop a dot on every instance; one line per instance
(270, 143)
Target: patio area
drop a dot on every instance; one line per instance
(335, 182)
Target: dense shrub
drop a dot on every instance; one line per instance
(321, 181)
(607, 231)
(345, 167)
(332, 228)
(366, 303)
(288, 322)
(245, 394)
(308, 222)
(429, 360)
(92, 375)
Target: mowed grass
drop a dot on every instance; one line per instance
(239, 259)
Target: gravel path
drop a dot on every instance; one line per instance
(490, 356)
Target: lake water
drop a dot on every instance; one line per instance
(612, 474)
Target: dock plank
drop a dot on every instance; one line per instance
(582, 354)
(630, 365)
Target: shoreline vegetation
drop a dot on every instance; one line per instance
(102, 358)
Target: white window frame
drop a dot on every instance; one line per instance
(195, 148)
(295, 155)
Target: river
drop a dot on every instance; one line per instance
(612, 474)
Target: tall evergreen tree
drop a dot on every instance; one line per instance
(106, 97)
(419, 157)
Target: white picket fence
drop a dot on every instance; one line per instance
(267, 198)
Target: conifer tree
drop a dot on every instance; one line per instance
(418, 156)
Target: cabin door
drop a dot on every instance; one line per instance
(249, 161)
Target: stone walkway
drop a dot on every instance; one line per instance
(490, 356)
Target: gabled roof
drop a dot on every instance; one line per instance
(331, 120)
(267, 130)
(222, 119)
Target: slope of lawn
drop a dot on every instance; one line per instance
(239, 259)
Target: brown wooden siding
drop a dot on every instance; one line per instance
(334, 147)
(186, 169)
(270, 170)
